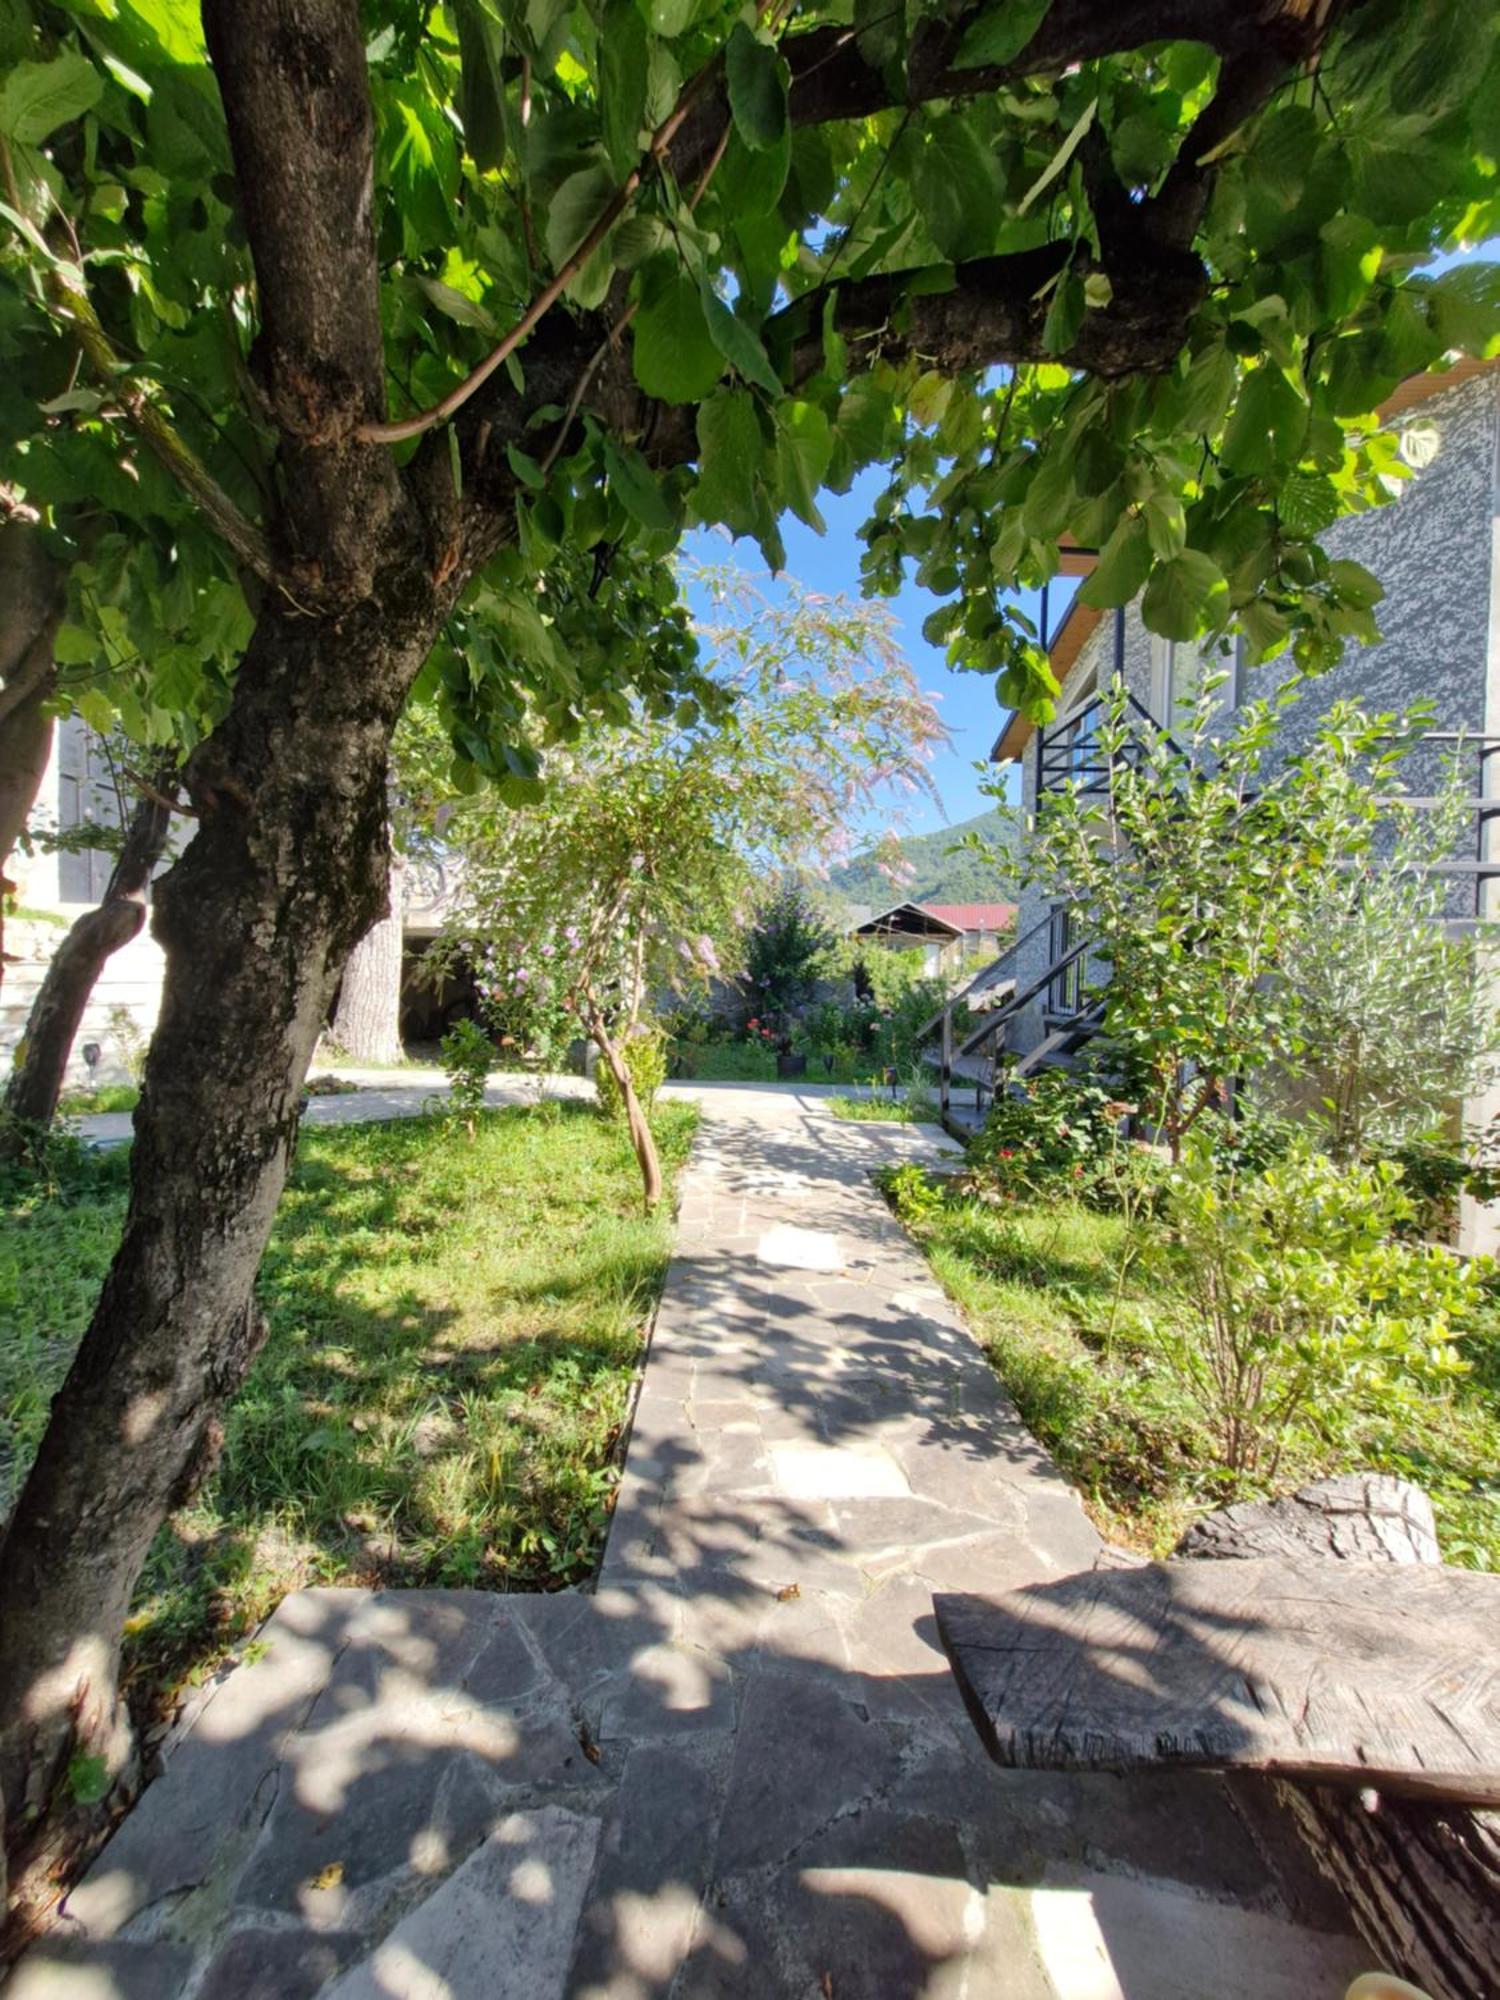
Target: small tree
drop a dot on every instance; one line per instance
(631, 873)
(787, 946)
(1197, 874)
(1304, 1305)
(1397, 1014)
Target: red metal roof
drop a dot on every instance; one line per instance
(973, 916)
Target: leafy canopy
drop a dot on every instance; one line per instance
(1068, 279)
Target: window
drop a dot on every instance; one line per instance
(1065, 993)
(1179, 669)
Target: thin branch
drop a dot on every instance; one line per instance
(542, 304)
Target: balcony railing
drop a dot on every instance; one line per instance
(1068, 752)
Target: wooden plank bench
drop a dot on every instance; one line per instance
(1340, 1673)
(1327, 1662)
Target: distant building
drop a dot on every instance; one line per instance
(945, 933)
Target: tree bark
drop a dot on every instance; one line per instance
(284, 873)
(1421, 1882)
(31, 606)
(41, 1062)
(640, 1130)
(367, 1019)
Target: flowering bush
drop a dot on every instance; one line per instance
(468, 1056)
(1062, 1133)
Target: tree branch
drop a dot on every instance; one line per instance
(250, 547)
(296, 95)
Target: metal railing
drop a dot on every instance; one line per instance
(1069, 752)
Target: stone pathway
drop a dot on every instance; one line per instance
(739, 1766)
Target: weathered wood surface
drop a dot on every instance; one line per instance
(1421, 1880)
(1336, 1673)
(1361, 1517)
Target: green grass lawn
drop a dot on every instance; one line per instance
(455, 1328)
(753, 1062)
(885, 1110)
(108, 1097)
(1038, 1287)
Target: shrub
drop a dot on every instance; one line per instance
(1061, 1132)
(644, 1049)
(1304, 1308)
(1436, 1176)
(915, 1194)
(468, 1055)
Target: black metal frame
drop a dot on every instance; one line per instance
(1057, 748)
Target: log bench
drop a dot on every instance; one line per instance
(1326, 1650)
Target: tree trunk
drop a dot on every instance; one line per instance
(367, 1020)
(31, 605)
(41, 1061)
(284, 873)
(640, 1130)
(1421, 1882)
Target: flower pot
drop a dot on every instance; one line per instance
(791, 1065)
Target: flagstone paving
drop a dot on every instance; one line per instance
(737, 1769)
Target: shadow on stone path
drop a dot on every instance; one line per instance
(739, 1766)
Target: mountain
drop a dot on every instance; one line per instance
(936, 876)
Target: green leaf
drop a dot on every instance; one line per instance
(1197, 403)
(804, 446)
(624, 71)
(673, 353)
(1123, 564)
(957, 187)
(1349, 260)
(1061, 157)
(1268, 425)
(1000, 35)
(1353, 581)
(467, 311)
(1466, 309)
(1308, 503)
(38, 97)
(730, 453)
(1050, 495)
(1065, 314)
(739, 344)
(481, 96)
(1166, 524)
(576, 207)
(637, 238)
(757, 78)
(1183, 594)
(638, 488)
(1278, 159)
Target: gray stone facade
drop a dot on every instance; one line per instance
(1435, 551)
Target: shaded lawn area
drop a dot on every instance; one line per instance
(1092, 1382)
(754, 1062)
(454, 1331)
